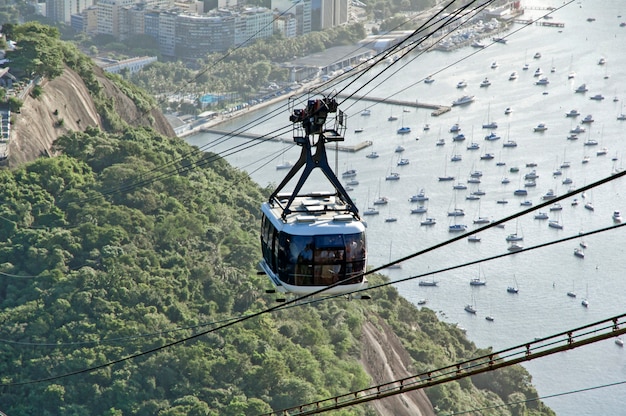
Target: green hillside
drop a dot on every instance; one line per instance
(131, 241)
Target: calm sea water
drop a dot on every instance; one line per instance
(544, 276)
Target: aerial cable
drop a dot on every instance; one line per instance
(318, 292)
(538, 348)
(221, 139)
(453, 17)
(534, 399)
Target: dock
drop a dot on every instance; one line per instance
(438, 109)
(342, 148)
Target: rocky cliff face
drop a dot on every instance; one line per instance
(66, 98)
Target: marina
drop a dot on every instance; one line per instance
(543, 277)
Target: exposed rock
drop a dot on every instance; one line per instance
(385, 359)
(66, 98)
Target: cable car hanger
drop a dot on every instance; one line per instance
(307, 123)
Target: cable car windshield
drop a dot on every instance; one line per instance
(321, 260)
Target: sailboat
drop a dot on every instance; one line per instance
(471, 307)
(481, 220)
(585, 301)
(445, 176)
(514, 236)
(370, 210)
(514, 288)
(392, 266)
(403, 129)
(490, 123)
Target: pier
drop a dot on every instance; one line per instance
(437, 108)
(254, 136)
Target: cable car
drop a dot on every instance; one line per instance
(313, 242)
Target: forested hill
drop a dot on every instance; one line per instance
(129, 241)
(67, 92)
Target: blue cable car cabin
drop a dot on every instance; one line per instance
(313, 242)
(313, 248)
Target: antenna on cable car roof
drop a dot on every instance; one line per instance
(309, 122)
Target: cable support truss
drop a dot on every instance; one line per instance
(539, 347)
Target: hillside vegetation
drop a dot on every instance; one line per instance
(129, 241)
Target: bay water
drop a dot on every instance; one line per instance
(542, 307)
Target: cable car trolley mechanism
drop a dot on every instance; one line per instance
(313, 241)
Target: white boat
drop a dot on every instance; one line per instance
(372, 155)
(459, 186)
(526, 203)
(555, 224)
(487, 156)
(485, 83)
(515, 247)
(461, 84)
(581, 88)
(419, 197)
(588, 119)
(512, 289)
(602, 61)
(469, 308)
(428, 283)
(617, 216)
(542, 81)
(366, 112)
(602, 151)
(509, 143)
(392, 118)
(578, 252)
(577, 130)
(621, 117)
(490, 318)
(508, 110)
(472, 197)
(371, 211)
(429, 80)
(491, 136)
(358, 130)
(537, 55)
(597, 97)
(572, 113)
(428, 221)
(494, 65)
(466, 99)
(556, 207)
(473, 239)
(477, 282)
(514, 237)
(381, 200)
(591, 142)
(548, 195)
(419, 210)
(399, 149)
(457, 212)
(541, 127)
(454, 228)
(456, 158)
(541, 216)
(538, 72)
(589, 206)
(455, 128)
(513, 76)
(619, 342)
(284, 165)
(350, 173)
(393, 176)
(473, 146)
(421, 302)
(440, 142)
